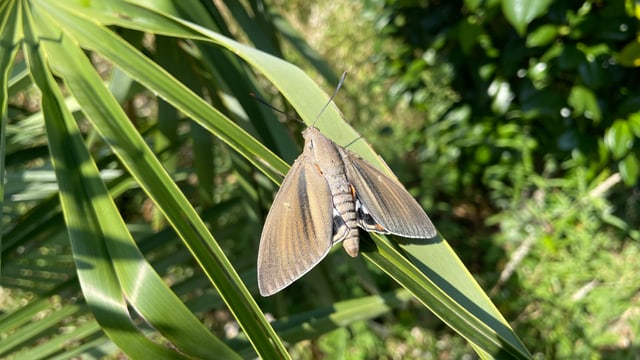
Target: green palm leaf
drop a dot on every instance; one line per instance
(121, 287)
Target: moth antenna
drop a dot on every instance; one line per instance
(335, 92)
(265, 103)
(353, 141)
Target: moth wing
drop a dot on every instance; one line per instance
(298, 230)
(385, 206)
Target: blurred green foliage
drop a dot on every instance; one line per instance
(531, 112)
(557, 92)
(519, 131)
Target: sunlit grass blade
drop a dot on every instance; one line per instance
(111, 268)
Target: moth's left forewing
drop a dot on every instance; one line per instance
(298, 230)
(385, 201)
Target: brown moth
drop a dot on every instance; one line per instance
(328, 193)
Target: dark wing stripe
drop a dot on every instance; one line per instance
(298, 229)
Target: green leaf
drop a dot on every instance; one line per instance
(521, 12)
(630, 55)
(112, 258)
(542, 36)
(502, 95)
(619, 138)
(585, 103)
(81, 209)
(634, 124)
(443, 285)
(323, 320)
(630, 169)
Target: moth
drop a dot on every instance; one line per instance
(328, 193)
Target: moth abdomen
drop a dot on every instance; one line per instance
(347, 231)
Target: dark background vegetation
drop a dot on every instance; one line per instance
(523, 143)
(518, 133)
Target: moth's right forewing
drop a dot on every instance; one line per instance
(385, 201)
(298, 230)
